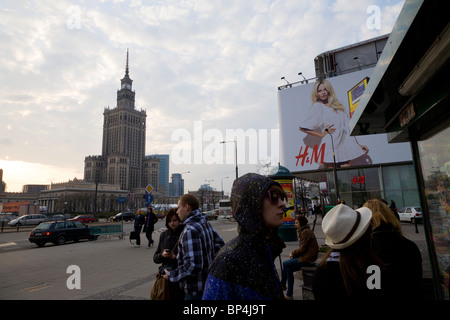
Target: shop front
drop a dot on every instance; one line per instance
(408, 98)
(396, 182)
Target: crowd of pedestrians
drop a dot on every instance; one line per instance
(368, 256)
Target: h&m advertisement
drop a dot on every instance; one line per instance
(314, 130)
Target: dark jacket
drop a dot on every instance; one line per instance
(328, 284)
(167, 240)
(244, 268)
(150, 221)
(139, 221)
(403, 261)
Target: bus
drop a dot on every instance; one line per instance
(225, 207)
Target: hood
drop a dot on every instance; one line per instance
(247, 197)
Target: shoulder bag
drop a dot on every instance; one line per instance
(160, 288)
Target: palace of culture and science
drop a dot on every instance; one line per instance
(119, 175)
(123, 161)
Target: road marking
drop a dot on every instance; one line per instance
(38, 287)
(8, 244)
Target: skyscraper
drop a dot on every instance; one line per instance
(123, 145)
(163, 171)
(176, 187)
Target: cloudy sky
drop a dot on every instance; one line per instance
(202, 70)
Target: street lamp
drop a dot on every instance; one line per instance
(209, 185)
(221, 184)
(235, 152)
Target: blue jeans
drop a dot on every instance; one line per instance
(289, 267)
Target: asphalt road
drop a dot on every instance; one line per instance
(108, 268)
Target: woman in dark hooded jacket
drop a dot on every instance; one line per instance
(166, 253)
(244, 268)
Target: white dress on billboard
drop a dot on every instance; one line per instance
(319, 118)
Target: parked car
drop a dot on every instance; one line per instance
(59, 232)
(126, 216)
(83, 218)
(410, 213)
(160, 215)
(28, 220)
(210, 215)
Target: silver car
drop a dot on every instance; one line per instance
(410, 213)
(28, 219)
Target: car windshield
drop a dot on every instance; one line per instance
(44, 226)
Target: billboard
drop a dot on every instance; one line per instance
(314, 132)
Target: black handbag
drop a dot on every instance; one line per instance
(133, 235)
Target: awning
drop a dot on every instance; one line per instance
(411, 76)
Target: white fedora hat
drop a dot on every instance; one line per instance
(343, 226)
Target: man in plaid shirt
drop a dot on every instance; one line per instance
(198, 245)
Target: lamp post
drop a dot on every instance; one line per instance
(336, 187)
(221, 184)
(209, 185)
(235, 152)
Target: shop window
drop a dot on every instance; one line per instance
(434, 156)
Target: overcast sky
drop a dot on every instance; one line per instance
(202, 70)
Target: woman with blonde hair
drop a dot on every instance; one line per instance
(326, 117)
(401, 256)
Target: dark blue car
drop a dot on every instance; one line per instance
(59, 232)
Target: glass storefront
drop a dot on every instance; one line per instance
(357, 185)
(395, 182)
(435, 161)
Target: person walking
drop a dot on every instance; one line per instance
(394, 209)
(139, 221)
(304, 256)
(166, 253)
(199, 243)
(149, 226)
(244, 268)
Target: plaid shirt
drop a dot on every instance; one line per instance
(198, 245)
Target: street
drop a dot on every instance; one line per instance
(108, 268)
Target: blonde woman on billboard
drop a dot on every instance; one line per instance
(326, 118)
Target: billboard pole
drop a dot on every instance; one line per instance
(336, 187)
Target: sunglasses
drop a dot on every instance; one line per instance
(274, 196)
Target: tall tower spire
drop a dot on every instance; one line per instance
(126, 67)
(125, 96)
